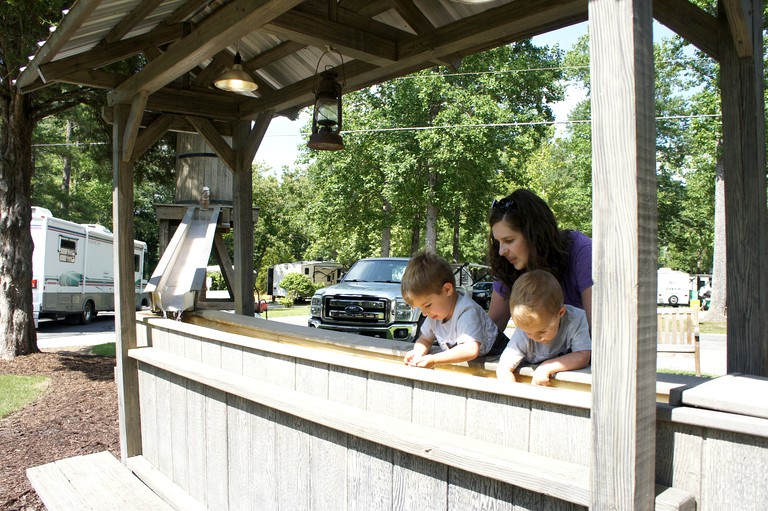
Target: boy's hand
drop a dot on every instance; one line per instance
(541, 377)
(410, 357)
(427, 361)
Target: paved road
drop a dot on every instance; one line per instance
(59, 334)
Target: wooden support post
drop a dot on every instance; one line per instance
(745, 198)
(624, 257)
(243, 223)
(125, 294)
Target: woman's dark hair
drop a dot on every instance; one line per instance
(527, 213)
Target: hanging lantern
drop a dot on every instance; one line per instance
(326, 118)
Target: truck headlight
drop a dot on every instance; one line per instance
(315, 306)
(403, 311)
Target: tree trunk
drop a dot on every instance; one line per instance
(456, 222)
(718, 309)
(16, 318)
(66, 177)
(386, 232)
(430, 236)
(416, 235)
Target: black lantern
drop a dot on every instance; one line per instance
(326, 119)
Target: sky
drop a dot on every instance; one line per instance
(283, 137)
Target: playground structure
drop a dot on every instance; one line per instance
(249, 397)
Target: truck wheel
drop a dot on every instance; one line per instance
(673, 300)
(88, 313)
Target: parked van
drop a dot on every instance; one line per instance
(73, 269)
(673, 287)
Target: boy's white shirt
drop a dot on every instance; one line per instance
(573, 335)
(469, 323)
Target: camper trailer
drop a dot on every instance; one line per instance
(319, 272)
(673, 287)
(73, 269)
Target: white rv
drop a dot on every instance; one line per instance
(319, 272)
(73, 269)
(673, 287)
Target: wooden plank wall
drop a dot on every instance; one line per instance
(232, 453)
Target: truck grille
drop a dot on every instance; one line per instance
(362, 309)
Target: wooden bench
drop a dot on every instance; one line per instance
(92, 482)
(678, 332)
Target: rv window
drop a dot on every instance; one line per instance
(67, 249)
(136, 265)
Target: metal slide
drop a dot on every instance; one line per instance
(180, 274)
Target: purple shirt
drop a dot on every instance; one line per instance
(577, 278)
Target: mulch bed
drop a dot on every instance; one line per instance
(76, 415)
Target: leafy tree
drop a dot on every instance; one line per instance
(23, 23)
(424, 158)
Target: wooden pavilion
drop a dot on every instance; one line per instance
(187, 44)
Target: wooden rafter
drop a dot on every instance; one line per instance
(506, 23)
(107, 53)
(229, 23)
(737, 13)
(68, 27)
(152, 133)
(692, 23)
(413, 16)
(308, 29)
(129, 22)
(133, 124)
(220, 146)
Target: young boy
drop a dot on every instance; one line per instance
(461, 327)
(548, 333)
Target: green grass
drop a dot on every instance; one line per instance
(16, 391)
(714, 327)
(104, 350)
(295, 310)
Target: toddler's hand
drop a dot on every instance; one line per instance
(409, 358)
(425, 361)
(540, 377)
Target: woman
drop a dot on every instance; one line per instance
(524, 236)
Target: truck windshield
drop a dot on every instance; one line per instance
(376, 271)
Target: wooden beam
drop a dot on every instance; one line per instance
(242, 213)
(494, 27)
(77, 15)
(216, 141)
(413, 16)
(132, 125)
(624, 255)
(319, 9)
(310, 30)
(272, 55)
(200, 102)
(741, 83)
(225, 263)
(104, 54)
(228, 23)
(186, 10)
(739, 12)
(691, 23)
(255, 137)
(127, 372)
(152, 133)
(130, 21)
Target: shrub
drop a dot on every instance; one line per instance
(286, 301)
(298, 286)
